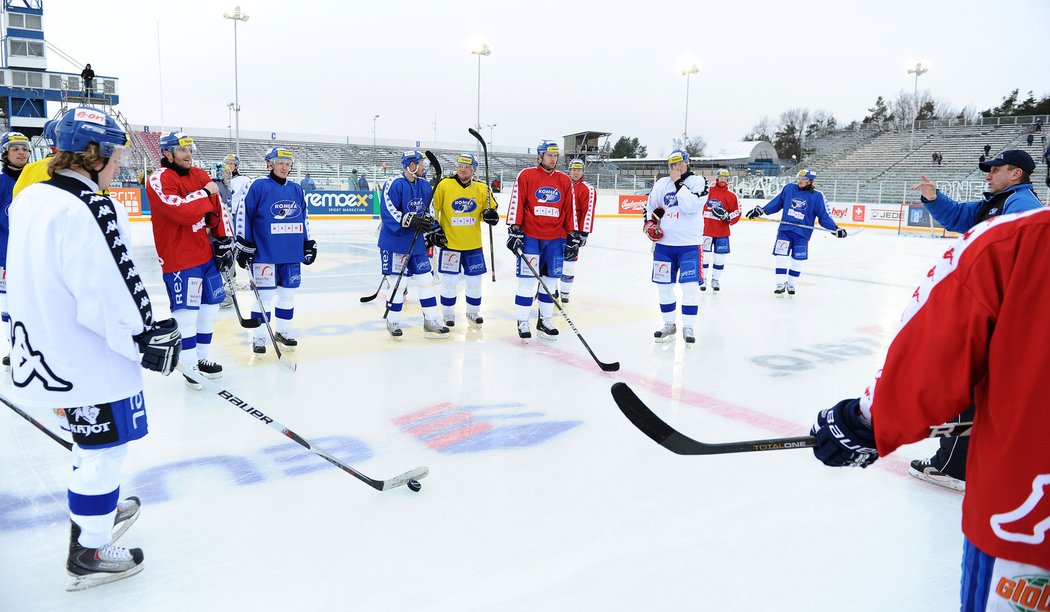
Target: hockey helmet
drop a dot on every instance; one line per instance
(410, 157)
(83, 125)
(49, 132)
(170, 141)
(576, 163)
(232, 158)
(467, 159)
(547, 146)
(279, 153)
(677, 156)
(809, 175)
(11, 140)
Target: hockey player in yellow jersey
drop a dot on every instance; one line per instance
(35, 172)
(461, 204)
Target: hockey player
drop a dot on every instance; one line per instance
(34, 172)
(541, 220)
(802, 204)
(81, 317)
(184, 205)
(273, 239)
(720, 212)
(461, 203)
(674, 216)
(405, 216)
(15, 154)
(969, 327)
(586, 198)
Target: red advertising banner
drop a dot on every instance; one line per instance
(631, 204)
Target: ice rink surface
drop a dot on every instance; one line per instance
(541, 495)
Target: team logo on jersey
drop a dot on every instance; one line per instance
(27, 364)
(464, 205)
(548, 195)
(86, 413)
(415, 206)
(798, 204)
(670, 200)
(1029, 522)
(284, 209)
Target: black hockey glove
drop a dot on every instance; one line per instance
(309, 252)
(245, 250)
(573, 242)
(436, 237)
(222, 250)
(160, 346)
(681, 180)
(658, 213)
(755, 212)
(843, 439)
(417, 222)
(583, 238)
(490, 216)
(515, 239)
(840, 232)
(720, 213)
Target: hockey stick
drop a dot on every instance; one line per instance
(606, 367)
(488, 195)
(812, 227)
(404, 266)
(369, 298)
(281, 358)
(228, 396)
(666, 436)
(249, 323)
(437, 169)
(36, 423)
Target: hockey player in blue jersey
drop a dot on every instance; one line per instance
(273, 239)
(407, 219)
(802, 204)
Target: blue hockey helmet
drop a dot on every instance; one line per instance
(169, 141)
(279, 153)
(12, 140)
(576, 163)
(49, 132)
(467, 159)
(677, 156)
(84, 125)
(409, 157)
(547, 146)
(809, 175)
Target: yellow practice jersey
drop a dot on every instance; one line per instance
(458, 210)
(33, 172)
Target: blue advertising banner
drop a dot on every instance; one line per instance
(340, 202)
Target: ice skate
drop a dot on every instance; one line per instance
(450, 318)
(127, 514)
(209, 369)
(924, 469)
(714, 285)
(779, 291)
(545, 328)
(91, 567)
(288, 344)
(394, 328)
(703, 285)
(666, 334)
(564, 297)
(791, 289)
(192, 384)
(259, 346)
(474, 319)
(7, 363)
(434, 330)
(524, 332)
(687, 332)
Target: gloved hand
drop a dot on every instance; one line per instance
(720, 213)
(657, 214)
(160, 346)
(583, 238)
(515, 239)
(840, 232)
(573, 242)
(652, 231)
(681, 179)
(309, 252)
(222, 250)
(417, 222)
(490, 216)
(755, 212)
(436, 237)
(843, 439)
(245, 250)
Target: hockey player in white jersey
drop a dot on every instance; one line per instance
(83, 329)
(675, 222)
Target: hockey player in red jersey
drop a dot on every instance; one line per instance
(968, 334)
(586, 197)
(542, 226)
(720, 212)
(184, 205)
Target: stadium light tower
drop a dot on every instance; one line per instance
(229, 119)
(375, 169)
(918, 71)
(480, 51)
(491, 125)
(687, 72)
(236, 16)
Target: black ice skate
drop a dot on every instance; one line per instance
(259, 346)
(394, 328)
(91, 567)
(666, 333)
(714, 285)
(288, 344)
(779, 291)
(924, 469)
(524, 332)
(209, 369)
(687, 333)
(791, 289)
(474, 319)
(434, 330)
(545, 328)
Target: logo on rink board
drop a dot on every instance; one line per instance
(449, 428)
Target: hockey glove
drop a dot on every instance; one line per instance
(417, 222)
(309, 252)
(160, 346)
(583, 238)
(490, 216)
(515, 239)
(756, 212)
(222, 249)
(681, 180)
(245, 250)
(573, 242)
(658, 214)
(436, 237)
(840, 232)
(720, 213)
(652, 231)
(843, 439)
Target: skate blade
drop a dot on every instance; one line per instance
(81, 583)
(434, 335)
(547, 337)
(664, 340)
(122, 528)
(942, 481)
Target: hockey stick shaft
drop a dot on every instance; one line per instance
(229, 397)
(606, 367)
(36, 423)
(269, 330)
(666, 436)
(812, 227)
(369, 298)
(404, 266)
(488, 195)
(437, 168)
(249, 323)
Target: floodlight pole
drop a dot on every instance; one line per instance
(236, 16)
(483, 50)
(687, 72)
(918, 71)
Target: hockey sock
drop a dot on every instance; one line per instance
(424, 284)
(783, 262)
(719, 265)
(546, 303)
(397, 300)
(523, 297)
(94, 490)
(667, 302)
(284, 308)
(690, 303)
(795, 271)
(449, 285)
(205, 327)
(474, 292)
(187, 321)
(568, 275)
(259, 309)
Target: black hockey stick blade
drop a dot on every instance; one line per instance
(666, 436)
(288, 363)
(436, 165)
(36, 423)
(250, 323)
(369, 298)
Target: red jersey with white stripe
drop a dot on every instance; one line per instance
(712, 226)
(177, 207)
(976, 328)
(586, 199)
(542, 203)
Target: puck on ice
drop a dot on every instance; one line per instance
(414, 485)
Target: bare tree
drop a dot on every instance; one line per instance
(695, 146)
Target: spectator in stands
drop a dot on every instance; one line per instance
(1039, 124)
(497, 185)
(1009, 191)
(362, 182)
(307, 183)
(89, 77)
(987, 150)
(1031, 139)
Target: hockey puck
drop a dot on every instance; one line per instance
(414, 485)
